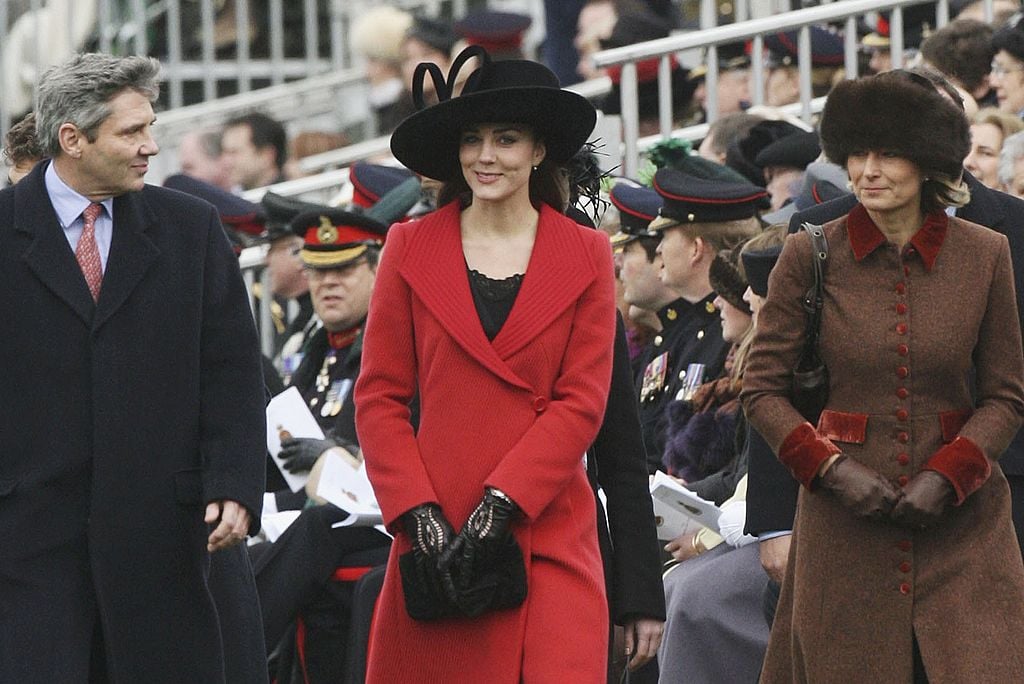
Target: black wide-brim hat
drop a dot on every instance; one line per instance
(510, 91)
(898, 112)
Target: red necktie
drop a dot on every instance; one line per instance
(87, 253)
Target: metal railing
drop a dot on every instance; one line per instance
(754, 30)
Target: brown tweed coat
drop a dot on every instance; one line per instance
(899, 334)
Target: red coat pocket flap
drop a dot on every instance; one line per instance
(843, 427)
(952, 422)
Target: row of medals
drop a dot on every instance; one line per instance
(333, 401)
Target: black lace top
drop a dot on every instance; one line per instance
(493, 299)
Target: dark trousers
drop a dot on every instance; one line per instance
(1016, 483)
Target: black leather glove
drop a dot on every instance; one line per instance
(428, 530)
(426, 593)
(924, 499)
(866, 493)
(300, 453)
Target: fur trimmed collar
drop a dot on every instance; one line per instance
(865, 237)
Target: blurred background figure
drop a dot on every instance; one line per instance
(500, 33)
(377, 36)
(783, 162)
(595, 23)
(918, 22)
(200, 156)
(989, 128)
(22, 149)
(1011, 165)
(559, 50)
(733, 83)
(724, 132)
(975, 9)
(962, 52)
(308, 143)
(782, 84)
(255, 148)
(1007, 76)
(426, 40)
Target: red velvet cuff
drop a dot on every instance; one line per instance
(963, 464)
(803, 452)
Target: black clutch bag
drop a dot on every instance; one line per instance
(496, 581)
(810, 377)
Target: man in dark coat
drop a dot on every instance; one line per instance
(772, 492)
(118, 476)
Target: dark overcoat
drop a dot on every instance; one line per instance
(516, 413)
(900, 334)
(120, 421)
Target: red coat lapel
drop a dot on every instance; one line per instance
(560, 268)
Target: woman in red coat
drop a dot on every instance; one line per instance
(497, 312)
(904, 565)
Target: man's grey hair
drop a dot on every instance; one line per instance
(79, 92)
(1013, 149)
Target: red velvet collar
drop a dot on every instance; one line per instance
(343, 338)
(865, 237)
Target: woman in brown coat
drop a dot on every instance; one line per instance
(904, 565)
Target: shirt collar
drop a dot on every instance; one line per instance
(67, 202)
(865, 237)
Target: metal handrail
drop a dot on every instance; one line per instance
(754, 30)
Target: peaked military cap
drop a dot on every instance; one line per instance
(637, 206)
(370, 182)
(687, 200)
(437, 34)
(236, 213)
(826, 48)
(495, 32)
(335, 237)
(281, 210)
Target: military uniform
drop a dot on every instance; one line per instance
(691, 337)
(330, 365)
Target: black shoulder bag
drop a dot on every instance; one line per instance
(810, 378)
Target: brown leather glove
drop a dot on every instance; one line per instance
(866, 493)
(924, 499)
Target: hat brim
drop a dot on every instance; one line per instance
(428, 141)
(662, 222)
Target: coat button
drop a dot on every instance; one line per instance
(901, 308)
(902, 372)
(902, 437)
(902, 392)
(540, 404)
(902, 349)
(904, 545)
(657, 340)
(905, 588)
(901, 328)
(902, 415)
(906, 270)
(902, 480)
(900, 288)
(904, 567)
(903, 459)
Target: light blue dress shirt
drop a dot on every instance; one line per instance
(69, 206)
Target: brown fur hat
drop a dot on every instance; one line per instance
(898, 112)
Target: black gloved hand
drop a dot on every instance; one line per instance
(428, 530)
(924, 499)
(472, 567)
(866, 493)
(300, 453)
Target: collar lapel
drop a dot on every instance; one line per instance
(982, 209)
(560, 269)
(436, 271)
(49, 255)
(132, 252)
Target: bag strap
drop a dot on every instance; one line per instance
(814, 299)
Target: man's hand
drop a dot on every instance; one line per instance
(775, 555)
(683, 547)
(300, 453)
(232, 524)
(643, 638)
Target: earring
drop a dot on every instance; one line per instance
(534, 168)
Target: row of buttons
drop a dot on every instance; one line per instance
(903, 415)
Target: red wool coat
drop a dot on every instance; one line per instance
(517, 414)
